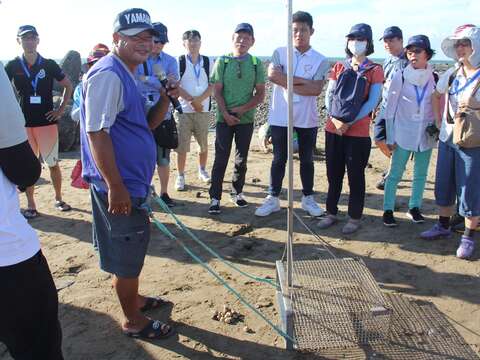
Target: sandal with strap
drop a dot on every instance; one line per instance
(62, 206)
(155, 329)
(152, 303)
(30, 213)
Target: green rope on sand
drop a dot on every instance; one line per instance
(182, 227)
(220, 279)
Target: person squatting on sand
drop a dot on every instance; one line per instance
(239, 87)
(33, 76)
(411, 128)
(195, 91)
(458, 161)
(28, 303)
(118, 158)
(347, 143)
(311, 69)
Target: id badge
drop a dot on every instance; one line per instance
(417, 117)
(296, 98)
(35, 99)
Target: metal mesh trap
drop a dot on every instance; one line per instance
(336, 303)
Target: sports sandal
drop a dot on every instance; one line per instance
(62, 206)
(155, 329)
(30, 213)
(152, 303)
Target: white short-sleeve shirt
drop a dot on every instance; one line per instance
(18, 241)
(193, 85)
(12, 121)
(308, 65)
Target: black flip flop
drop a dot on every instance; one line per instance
(62, 206)
(30, 213)
(155, 329)
(154, 303)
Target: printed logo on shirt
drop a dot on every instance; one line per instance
(41, 74)
(307, 68)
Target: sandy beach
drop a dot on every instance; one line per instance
(405, 267)
(399, 260)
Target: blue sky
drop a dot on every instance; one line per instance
(80, 24)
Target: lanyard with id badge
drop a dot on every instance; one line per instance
(197, 69)
(420, 97)
(35, 99)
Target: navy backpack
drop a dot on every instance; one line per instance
(349, 94)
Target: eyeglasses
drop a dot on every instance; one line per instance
(462, 43)
(414, 50)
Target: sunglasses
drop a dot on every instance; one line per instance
(159, 42)
(462, 43)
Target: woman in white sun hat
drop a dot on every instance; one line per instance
(458, 163)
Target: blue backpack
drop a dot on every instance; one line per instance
(349, 94)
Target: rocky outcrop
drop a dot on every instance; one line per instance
(71, 65)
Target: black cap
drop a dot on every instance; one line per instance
(25, 29)
(362, 31)
(162, 32)
(246, 27)
(391, 32)
(420, 41)
(130, 22)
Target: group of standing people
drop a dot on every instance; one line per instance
(125, 104)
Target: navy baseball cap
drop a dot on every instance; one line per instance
(133, 21)
(25, 29)
(162, 32)
(420, 41)
(361, 30)
(391, 32)
(244, 27)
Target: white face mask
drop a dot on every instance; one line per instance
(356, 47)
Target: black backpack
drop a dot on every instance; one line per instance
(183, 65)
(349, 94)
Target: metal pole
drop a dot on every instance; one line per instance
(290, 148)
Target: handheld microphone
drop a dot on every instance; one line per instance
(160, 74)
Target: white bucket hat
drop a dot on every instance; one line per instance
(470, 32)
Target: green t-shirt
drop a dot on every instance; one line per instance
(239, 78)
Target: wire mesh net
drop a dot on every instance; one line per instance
(337, 303)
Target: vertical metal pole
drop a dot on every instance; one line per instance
(290, 148)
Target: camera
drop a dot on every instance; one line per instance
(433, 131)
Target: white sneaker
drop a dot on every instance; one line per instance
(270, 204)
(180, 183)
(203, 175)
(310, 206)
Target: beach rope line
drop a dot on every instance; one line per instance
(202, 263)
(195, 238)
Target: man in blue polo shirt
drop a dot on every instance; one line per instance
(394, 61)
(149, 85)
(118, 158)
